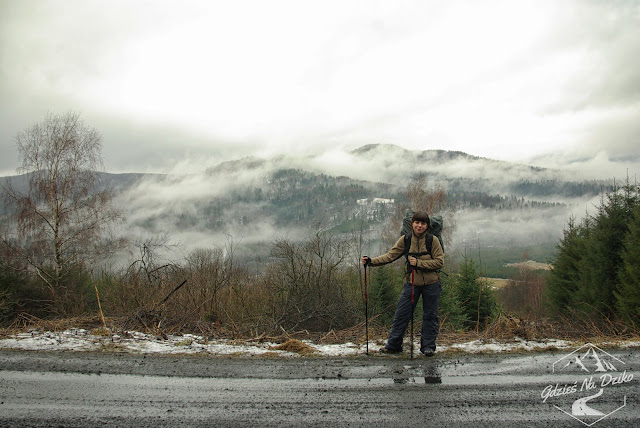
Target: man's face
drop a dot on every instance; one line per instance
(419, 227)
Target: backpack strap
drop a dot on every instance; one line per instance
(407, 245)
(428, 241)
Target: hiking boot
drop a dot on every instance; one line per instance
(385, 350)
(428, 352)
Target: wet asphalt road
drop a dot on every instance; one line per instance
(113, 390)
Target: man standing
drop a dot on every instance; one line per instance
(425, 258)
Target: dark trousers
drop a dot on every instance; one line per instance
(430, 303)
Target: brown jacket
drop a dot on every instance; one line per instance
(433, 262)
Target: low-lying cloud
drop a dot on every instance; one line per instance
(205, 209)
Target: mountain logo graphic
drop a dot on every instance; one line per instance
(590, 363)
(588, 358)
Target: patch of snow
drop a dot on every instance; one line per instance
(340, 350)
(518, 344)
(137, 342)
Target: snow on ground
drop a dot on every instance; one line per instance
(141, 343)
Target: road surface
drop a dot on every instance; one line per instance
(123, 390)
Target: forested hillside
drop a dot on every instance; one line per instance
(245, 244)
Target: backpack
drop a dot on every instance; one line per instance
(435, 228)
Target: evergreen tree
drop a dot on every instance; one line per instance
(450, 308)
(628, 296)
(603, 252)
(564, 279)
(477, 302)
(384, 290)
(589, 261)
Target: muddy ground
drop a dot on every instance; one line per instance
(88, 389)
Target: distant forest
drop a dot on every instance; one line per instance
(297, 197)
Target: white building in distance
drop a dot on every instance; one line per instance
(372, 201)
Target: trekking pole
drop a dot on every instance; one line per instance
(366, 309)
(412, 309)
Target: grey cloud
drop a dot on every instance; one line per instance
(154, 205)
(619, 135)
(508, 228)
(605, 37)
(47, 54)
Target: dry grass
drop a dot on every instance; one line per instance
(503, 328)
(495, 282)
(29, 322)
(293, 345)
(530, 265)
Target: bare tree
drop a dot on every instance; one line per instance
(422, 196)
(307, 284)
(59, 219)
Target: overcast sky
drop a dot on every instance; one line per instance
(183, 84)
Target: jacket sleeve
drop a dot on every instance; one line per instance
(396, 251)
(437, 257)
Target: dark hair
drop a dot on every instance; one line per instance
(421, 216)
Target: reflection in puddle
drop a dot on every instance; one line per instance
(402, 373)
(432, 379)
(427, 380)
(431, 375)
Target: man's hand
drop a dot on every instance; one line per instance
(413, 261)
(366, 260)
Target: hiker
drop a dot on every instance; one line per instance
(424, 268)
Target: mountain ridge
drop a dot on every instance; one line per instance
(289, 194)
(384, 166)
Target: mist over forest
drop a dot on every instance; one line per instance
(256, 200)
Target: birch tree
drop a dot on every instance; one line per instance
(59, 217)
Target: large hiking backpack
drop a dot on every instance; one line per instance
(435, 228)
